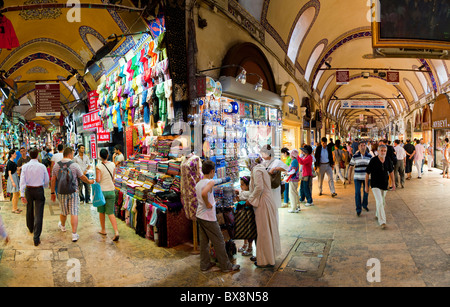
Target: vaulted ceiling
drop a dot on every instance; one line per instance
(312, 32)
(53, 48)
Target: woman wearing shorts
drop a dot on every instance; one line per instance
(104, 176)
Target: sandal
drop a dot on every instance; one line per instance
(243, 248)
(18, 211)
(248, 252)
(102, 233)
(116, 238)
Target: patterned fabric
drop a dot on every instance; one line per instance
(190, 175)
(69, 203)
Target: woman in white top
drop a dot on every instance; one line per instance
(105, 177)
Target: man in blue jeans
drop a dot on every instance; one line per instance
(359, 163)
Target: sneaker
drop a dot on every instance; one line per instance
(75, 237)
(235, 267)
(334, 195)
(61, 227)
(309, 204)
(293, 211)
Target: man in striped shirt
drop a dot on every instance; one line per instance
(359, 163)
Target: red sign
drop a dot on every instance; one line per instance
(48, 101)
(91, 121)
(201, 86)
(93, 101)
(342, 77)
(129, 141)
(93, 147)
(393, 77)
(103, 135)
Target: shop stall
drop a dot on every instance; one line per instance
(441, 126)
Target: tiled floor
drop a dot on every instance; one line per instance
(323, 245)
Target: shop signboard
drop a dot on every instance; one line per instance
(103, 135)
(91, 121)
(441, 113)
(93, 146)
(363, 104)
(47, 99)
(393, 77)
(93, 101)
(342, 77)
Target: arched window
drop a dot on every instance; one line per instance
(312, 60)
(441, 71)
(325, 86)
(412, 90)
(422, 80)
(300, 30)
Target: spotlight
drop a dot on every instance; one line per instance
(327, 65)
(259, 85)
(242, 77)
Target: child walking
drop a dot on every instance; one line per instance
(243, 195)
(209, 228)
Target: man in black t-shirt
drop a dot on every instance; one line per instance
(380, 168)
(410, 151)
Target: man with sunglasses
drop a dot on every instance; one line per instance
(379, 170)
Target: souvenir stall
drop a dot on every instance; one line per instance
(233, 128)
(135, 99)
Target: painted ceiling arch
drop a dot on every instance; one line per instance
(346, 26)
(52, 43)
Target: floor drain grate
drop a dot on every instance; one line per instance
(307, 256)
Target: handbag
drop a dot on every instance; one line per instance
(99, 198)
(275, 178)
(244, 223)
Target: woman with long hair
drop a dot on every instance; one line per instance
(105, 177)
(12, 185)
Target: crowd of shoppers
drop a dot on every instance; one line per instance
(67, 175)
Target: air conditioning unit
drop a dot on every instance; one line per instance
(411, 53)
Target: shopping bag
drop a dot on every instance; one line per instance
(244, 224)
(99, 198)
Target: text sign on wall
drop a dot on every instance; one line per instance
(393, 77)
(363, 104)
(342, 77)
(93, 101)
(103, 135)
(48, 101)
(91, 121)
(93, 147)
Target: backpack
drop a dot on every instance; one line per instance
(64, 180)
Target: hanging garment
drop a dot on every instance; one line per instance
(161, 94)
(190, 175)
(8, 38)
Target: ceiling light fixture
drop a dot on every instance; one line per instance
(290, 102)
